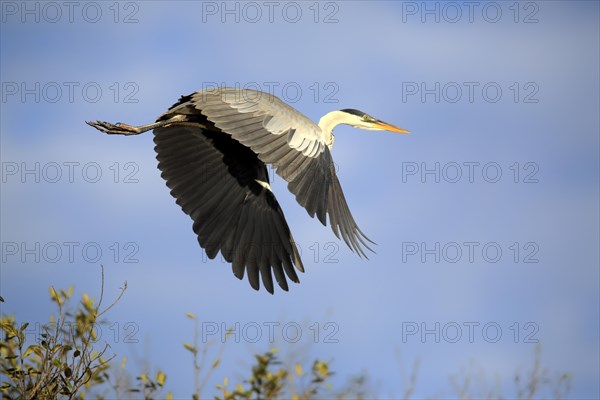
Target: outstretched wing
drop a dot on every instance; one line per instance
(223, 187)
(281, 136)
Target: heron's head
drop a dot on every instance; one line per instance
(362, 120)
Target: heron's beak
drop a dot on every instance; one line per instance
(389, 127)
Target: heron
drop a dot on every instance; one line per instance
(213, 147)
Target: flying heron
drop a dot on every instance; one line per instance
(212, 148)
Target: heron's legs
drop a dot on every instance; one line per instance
(124, 129)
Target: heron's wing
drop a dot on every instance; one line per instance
(288, 140)
(223, 187)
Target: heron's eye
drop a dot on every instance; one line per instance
(368, 118)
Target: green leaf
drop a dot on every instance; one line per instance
(34, 348)
(9, 328)
(228, 332)
(190, 347)
(55, 296)
(161, 378)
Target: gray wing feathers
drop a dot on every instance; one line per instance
(231, 211)
(293, 144)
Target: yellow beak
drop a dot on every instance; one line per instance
(389, 127)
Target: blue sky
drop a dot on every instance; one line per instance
(438, 78)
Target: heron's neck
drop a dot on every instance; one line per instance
(329, 121)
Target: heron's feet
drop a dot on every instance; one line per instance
(115, 129)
